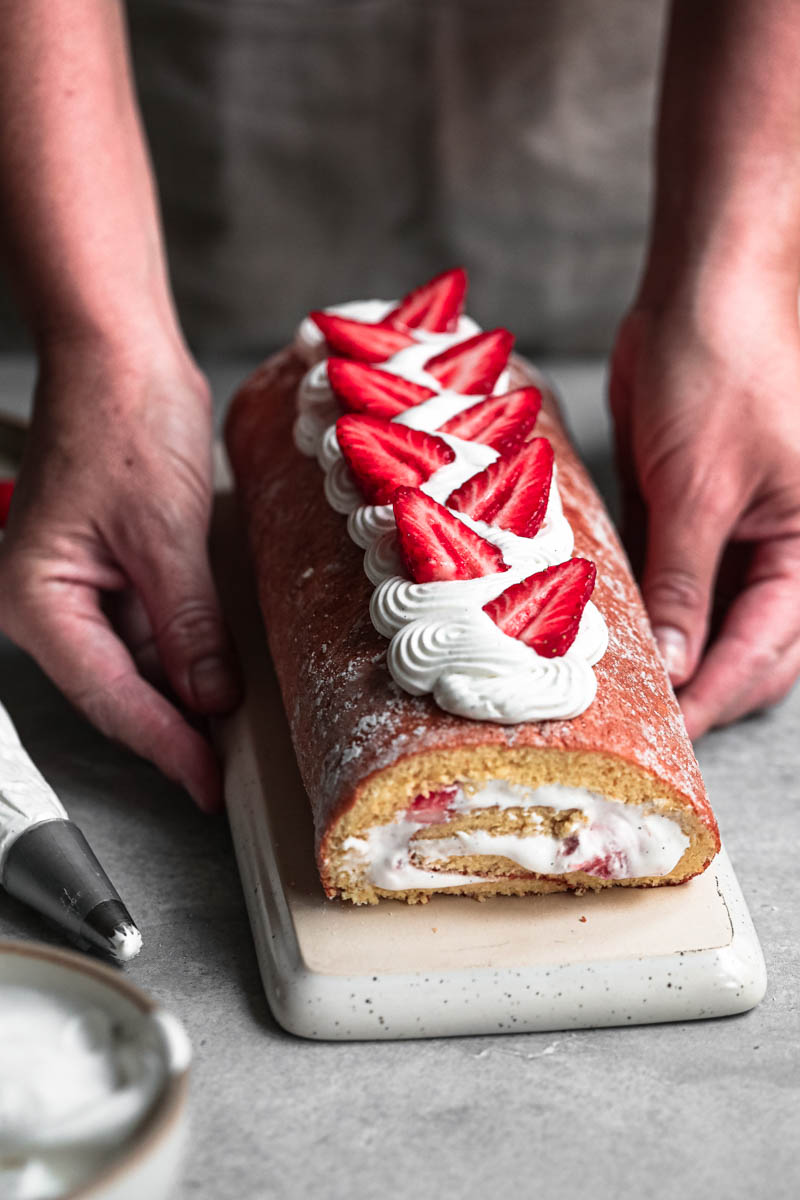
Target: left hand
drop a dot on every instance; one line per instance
(705, 395)
(113, 503)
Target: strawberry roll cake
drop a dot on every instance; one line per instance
(475, 698)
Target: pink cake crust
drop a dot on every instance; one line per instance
(348, 718)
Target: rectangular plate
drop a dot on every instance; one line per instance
(455, 965)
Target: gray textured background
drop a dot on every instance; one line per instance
(309, 151)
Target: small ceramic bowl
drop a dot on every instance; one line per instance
(147, 1164)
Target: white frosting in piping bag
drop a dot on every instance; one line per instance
(441, 640)
(26, 798)
(613, 841)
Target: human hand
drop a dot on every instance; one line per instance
(114, 497)
(705, 395)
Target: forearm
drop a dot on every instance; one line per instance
(79, 214)
(728, 171)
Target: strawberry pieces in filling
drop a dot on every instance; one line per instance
(511, 492)
(436, 306)
(545, 610)
(501, 422)
(473, 367)
(430, 809)
(384, 456)
(356, 339)
(613, 864)
(363, 388)
(435, 545)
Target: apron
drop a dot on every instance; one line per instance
(309, 152)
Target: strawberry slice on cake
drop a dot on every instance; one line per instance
(545, 610)
(436, 306)
(435, 545)
(473, 367)
(356, 339)
(362, 388)
(384, 456)
(501, 422)
(511, 492)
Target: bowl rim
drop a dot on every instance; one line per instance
(172, 1101)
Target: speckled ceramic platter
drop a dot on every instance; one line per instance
(453, 966)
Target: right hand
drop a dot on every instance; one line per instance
(114, 496)
(704, 390)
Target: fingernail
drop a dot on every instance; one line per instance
(692, 718)
(212, 683)
(674, 650)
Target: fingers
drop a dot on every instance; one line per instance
(67, 634)
(130, 622)
(756, 658)
(687, 531)
(179, 596)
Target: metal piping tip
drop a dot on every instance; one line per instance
(109, 926)
(51, 867)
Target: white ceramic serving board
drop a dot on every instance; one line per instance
(453, 966)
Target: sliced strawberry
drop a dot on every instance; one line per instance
(430, 809)
(363, 388)
(473, 366)
(435, 545)
(545, 610)
(512, 491)
(6, 492)
(384, 456)
(355, 339)
(498, 421)
(435, 306)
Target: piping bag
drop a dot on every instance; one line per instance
(46, 862)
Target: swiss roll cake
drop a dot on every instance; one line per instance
(473, 691)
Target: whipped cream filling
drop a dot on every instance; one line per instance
(440, 639)
(613, 840)
(26, 798)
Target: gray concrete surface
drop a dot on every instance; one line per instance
(696, 1109)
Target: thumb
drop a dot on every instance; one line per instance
(685, 538)
(193, 644)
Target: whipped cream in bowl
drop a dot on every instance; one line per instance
(93, 1080)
